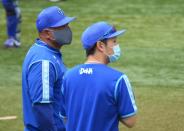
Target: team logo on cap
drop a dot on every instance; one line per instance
(60, 11)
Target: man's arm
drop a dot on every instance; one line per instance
(126, 102)
(41, 80)
(44, 116)
(129, 121)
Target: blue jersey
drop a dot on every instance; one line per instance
(42, 75)
(96, 97)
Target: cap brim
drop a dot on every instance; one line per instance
(64, 21)
(115, 34)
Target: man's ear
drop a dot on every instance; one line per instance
(47, 34)
(100, 46)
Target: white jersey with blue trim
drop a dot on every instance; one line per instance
(96, 97)
(42, 75)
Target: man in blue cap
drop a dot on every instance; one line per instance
(43, 71)
(13, 18)
(96, 96)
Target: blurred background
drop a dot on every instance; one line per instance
(153, 56)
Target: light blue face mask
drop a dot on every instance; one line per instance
(116, 55)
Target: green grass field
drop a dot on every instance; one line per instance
(153, 57)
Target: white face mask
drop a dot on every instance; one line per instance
(116, 55)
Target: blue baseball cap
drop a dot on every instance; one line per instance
(52, 17)
(98, 31)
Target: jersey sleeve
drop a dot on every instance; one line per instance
(124, 97)
(41, 79)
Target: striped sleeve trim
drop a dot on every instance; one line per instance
(129, 115)
(129, 88)
(45, 81)
(41, 62)
(62, 116)
(116, 87)
(130, 91)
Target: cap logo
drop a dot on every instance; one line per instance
(112, 30)
(60, 12)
